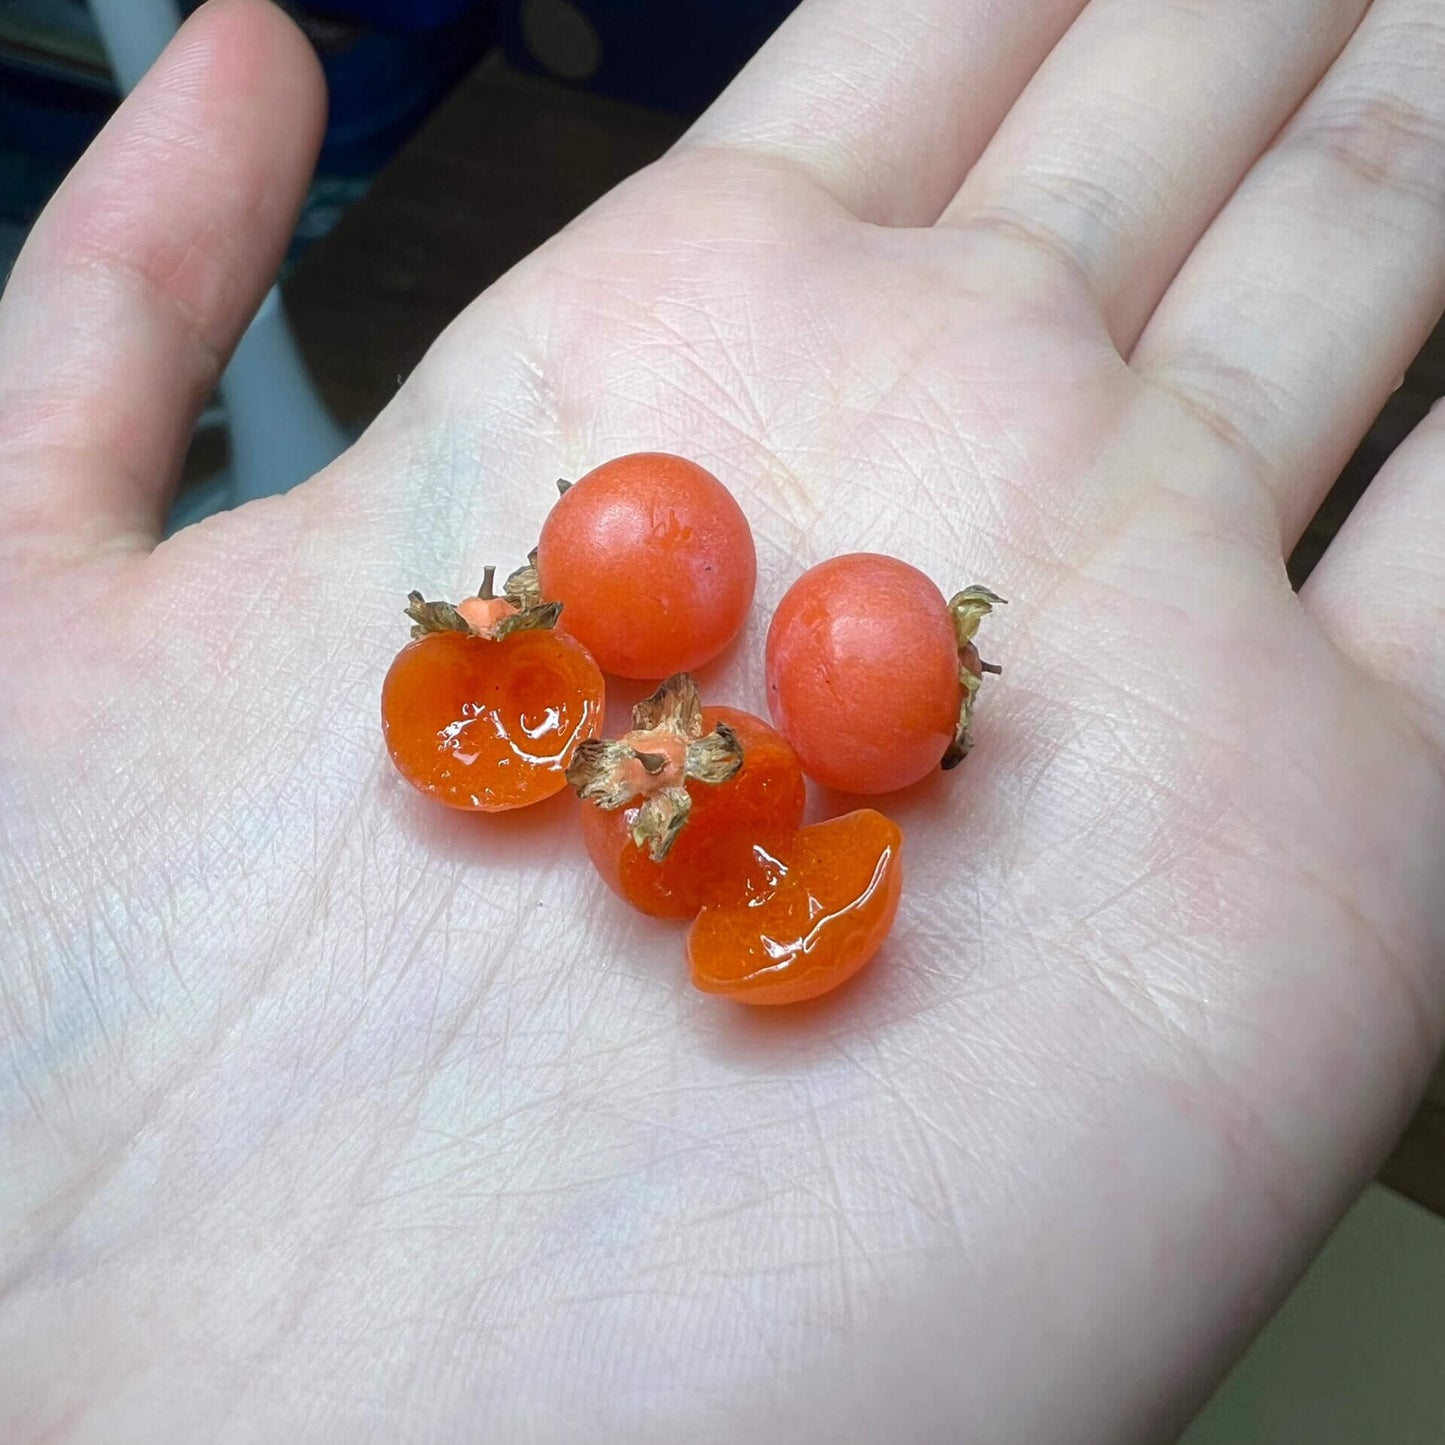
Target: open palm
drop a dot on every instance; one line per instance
(331, 1115)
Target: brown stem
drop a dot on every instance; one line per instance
(563, 486)
(485, 591)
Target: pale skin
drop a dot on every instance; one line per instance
(328, 1115)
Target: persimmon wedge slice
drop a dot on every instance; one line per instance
(809, 914)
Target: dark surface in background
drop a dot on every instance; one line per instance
(504, 164)
(672, 55)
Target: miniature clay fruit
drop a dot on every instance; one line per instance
(760, 803)
(872, 674)
(655, 764)
(653, 562)
(811, 914)
(488, 720)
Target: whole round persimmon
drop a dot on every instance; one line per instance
(813, 910)
(653, 562)
(762, 803)
(489, 721)
(872, 674)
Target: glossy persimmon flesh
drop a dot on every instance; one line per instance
(810, 915)
(488, 724)
(713, 855)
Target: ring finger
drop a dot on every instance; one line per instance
(1305, 301)
(1136, 129)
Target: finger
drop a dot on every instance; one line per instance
(1138, 126)
(1304, 302)
(1379, 591)
(886, 103)
(141, 275)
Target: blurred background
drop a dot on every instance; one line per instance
(463, 133)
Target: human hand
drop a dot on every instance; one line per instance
(328, 1114)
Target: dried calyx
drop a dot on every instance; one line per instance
(485, 615)
(522, 589)
(665, 750)
(967, 609)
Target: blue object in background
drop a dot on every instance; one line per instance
(382, 82)
(674, 55)
(56, 93)
(396, 14)
(46, 121)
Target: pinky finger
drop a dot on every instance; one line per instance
(1379, 591)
